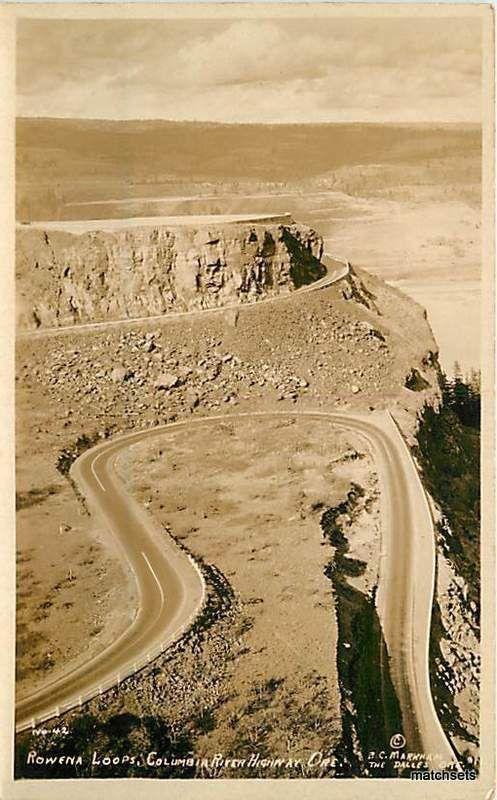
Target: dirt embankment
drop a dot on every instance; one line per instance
(66, 278)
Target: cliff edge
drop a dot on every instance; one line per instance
(137, 270)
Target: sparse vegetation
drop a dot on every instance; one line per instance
(69, 454)
(415, 381)
(34, 496)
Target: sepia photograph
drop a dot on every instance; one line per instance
(253, 330)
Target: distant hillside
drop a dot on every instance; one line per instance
(64, 160)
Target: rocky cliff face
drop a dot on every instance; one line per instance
(65, 278)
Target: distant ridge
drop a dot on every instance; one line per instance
(66, 161)
(422, 125)
(155, 150)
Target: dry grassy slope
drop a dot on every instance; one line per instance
(65, 278)
(251, 506)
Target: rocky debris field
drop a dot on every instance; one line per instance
(65, 278)
(342, 345)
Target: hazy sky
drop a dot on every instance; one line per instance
(261, 70)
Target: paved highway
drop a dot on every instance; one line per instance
(171, 590)
(406, 586)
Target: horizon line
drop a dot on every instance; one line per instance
(468, 123)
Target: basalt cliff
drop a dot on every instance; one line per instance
(66, 277)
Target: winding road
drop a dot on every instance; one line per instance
(171, 588)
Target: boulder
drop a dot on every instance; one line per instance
(166, 380)
(120, 374)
